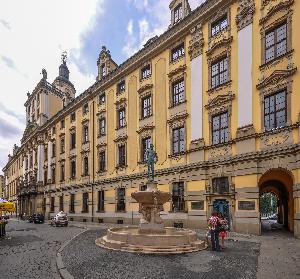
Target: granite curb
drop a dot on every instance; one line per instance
(63, 272)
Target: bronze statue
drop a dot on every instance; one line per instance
(151, 160)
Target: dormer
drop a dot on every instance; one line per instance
(179, 10)
(105, 63)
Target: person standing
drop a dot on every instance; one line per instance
(214, 223)
(223, 229)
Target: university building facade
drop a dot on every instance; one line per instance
(217, 96)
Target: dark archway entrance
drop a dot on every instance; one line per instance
(279, 182)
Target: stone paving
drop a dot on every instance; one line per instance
(29, 250)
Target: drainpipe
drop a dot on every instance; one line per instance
(93, 157)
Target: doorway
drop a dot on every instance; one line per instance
(222, 206)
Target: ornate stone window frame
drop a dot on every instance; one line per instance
(121, 104)
(175, 76)
(223, 11)
(245, 12)
(83, 156)
(277, 81)
(220, 104)
(100, 117)
(209, 188)
(174, 46)
(211, 60)
(177, 121)
(268, 24)
(122, 140)
(101, 148)
(142, 96)
(145, 64)
(197, 41)
(145, 132)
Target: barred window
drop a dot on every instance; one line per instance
(121, 205)
(276, 42)
(121, 117)
(178, 92)
(85, 205)
(101, 200)
(275, 110)
(219, 73)
(177, 52)
(72, 203)
(220, 131)
(219, 25)
(102, 161)
(220, 185)
(122, 155)
(146, 72)
(178, 140)
(178, 203)
(145, 146)
(146, 107)
(102, 127)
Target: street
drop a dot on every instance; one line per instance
(29, 251)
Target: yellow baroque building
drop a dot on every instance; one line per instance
(217, 96)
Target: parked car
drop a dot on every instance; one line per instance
(60, 219)
(273, 217)
(36, 218)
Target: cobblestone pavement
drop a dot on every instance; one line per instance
(83, 259)
(29, 250)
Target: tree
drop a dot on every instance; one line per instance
(268, 203)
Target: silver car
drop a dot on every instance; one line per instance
(60, 219)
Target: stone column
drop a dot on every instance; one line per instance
(50, 146)
(40, 158)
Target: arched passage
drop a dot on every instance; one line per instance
(280, 183)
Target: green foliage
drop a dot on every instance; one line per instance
(268, 203)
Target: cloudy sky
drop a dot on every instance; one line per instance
(34, 33)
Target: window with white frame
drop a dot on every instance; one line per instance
(178, 140)
(177, 52)
(219, 72)
(219, 25)
(220, 130)
(178, 95)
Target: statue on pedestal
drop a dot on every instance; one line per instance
(151, 160)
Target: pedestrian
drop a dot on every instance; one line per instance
(214, 223)
(223, 229)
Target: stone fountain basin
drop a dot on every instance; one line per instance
(147, 197)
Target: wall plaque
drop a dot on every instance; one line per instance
(198, 205)
(246, 205)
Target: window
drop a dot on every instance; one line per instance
(72, 203)
(178, 13)
(220, 131)
(122, 155)
(145, 145)
(178, 92)
(73, 140)
(102, 127)
(53, 175)
(102, 99)
(146, 107)
(219, 73)
(178, 204)
(45, 153)
(62, 145)
(177, 52)
(178, 140)
(101, 200)
(102, 161)
(86, 166)
(275, 110)
(146, 72)
(45, 177)
(219, 25)
(121, 117)
(62, 172)
(103, 70)
(52, 204)
(85, 134)
(85, 109)
(62, 124)
(121, 87)
(53, 150)
(73, 116)
(276, 43)
(220, 185)
(53, 131)
(44, 205)
(61, 203)
(121, 206)
(73, 169)
(85, 199)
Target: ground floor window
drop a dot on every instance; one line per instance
(121, 199)
(52, 202)
(61, 203)
(178, 204)
(101, 200)
(85, 206)
(72, 203)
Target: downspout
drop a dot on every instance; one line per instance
(93, 157)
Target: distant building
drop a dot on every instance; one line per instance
(217, 96)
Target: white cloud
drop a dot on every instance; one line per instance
(33, 35)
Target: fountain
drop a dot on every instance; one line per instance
(151, 236)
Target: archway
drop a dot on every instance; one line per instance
(279, 182)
